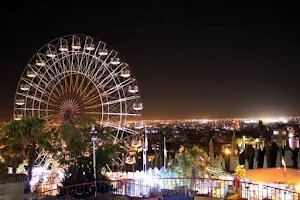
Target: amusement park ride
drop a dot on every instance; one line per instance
(79, 75)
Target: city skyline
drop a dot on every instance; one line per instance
(192, 60)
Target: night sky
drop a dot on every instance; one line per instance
(192, 60)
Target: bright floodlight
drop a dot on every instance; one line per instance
(18, 117)
(31, 74)
(90, 47)
(63, 48)
(115, 61)
(133, 89)
(24, 87)
(138, 106)
(103, 52)
(20, 102)
(40, 63)
(125, 73)
(50, 54)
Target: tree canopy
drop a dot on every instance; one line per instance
(191, 164)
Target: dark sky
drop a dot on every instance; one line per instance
(204, 60)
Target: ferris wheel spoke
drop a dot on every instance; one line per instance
(95, 60)
(66, 62)
(92, 100)
(40, 75)
(112, 74)
(119, 127)
(34, 98)
(121, 100)
(72, 60)
(35, 86)
(54, 95)
(46, 76)
(117, 87)
(94, 113)
(122, 114)
(63, 87)
(48, 84)
(102, 66)
(76, 83)
(35, 109)
(66, 86)
(85, 57)
(51, 115)
(92, 92)
(57, 66)
(93, 106)
(61, 78)
(93, 103)
(81, 90)
(70, 84)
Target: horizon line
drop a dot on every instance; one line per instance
(222, 118)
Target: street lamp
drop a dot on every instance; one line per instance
(94, 138)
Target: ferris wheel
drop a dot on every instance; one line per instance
(79, 75)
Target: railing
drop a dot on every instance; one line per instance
(86, 190)
(220, 188)
(171, 187)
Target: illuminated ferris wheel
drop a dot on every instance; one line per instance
(79, 75)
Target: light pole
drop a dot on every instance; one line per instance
(145, 149)
(165, 154)
(94, 138)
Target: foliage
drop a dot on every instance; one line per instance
(20, 139)
(240, 171)
(11, 147)
(21, 168)
(75, 138)
(191, 164)
(108, 154)
(32, 132)
(217, 164)
(3, 168)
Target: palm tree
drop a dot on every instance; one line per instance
(31, 129)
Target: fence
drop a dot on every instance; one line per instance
(87, 190)
(217, 188)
